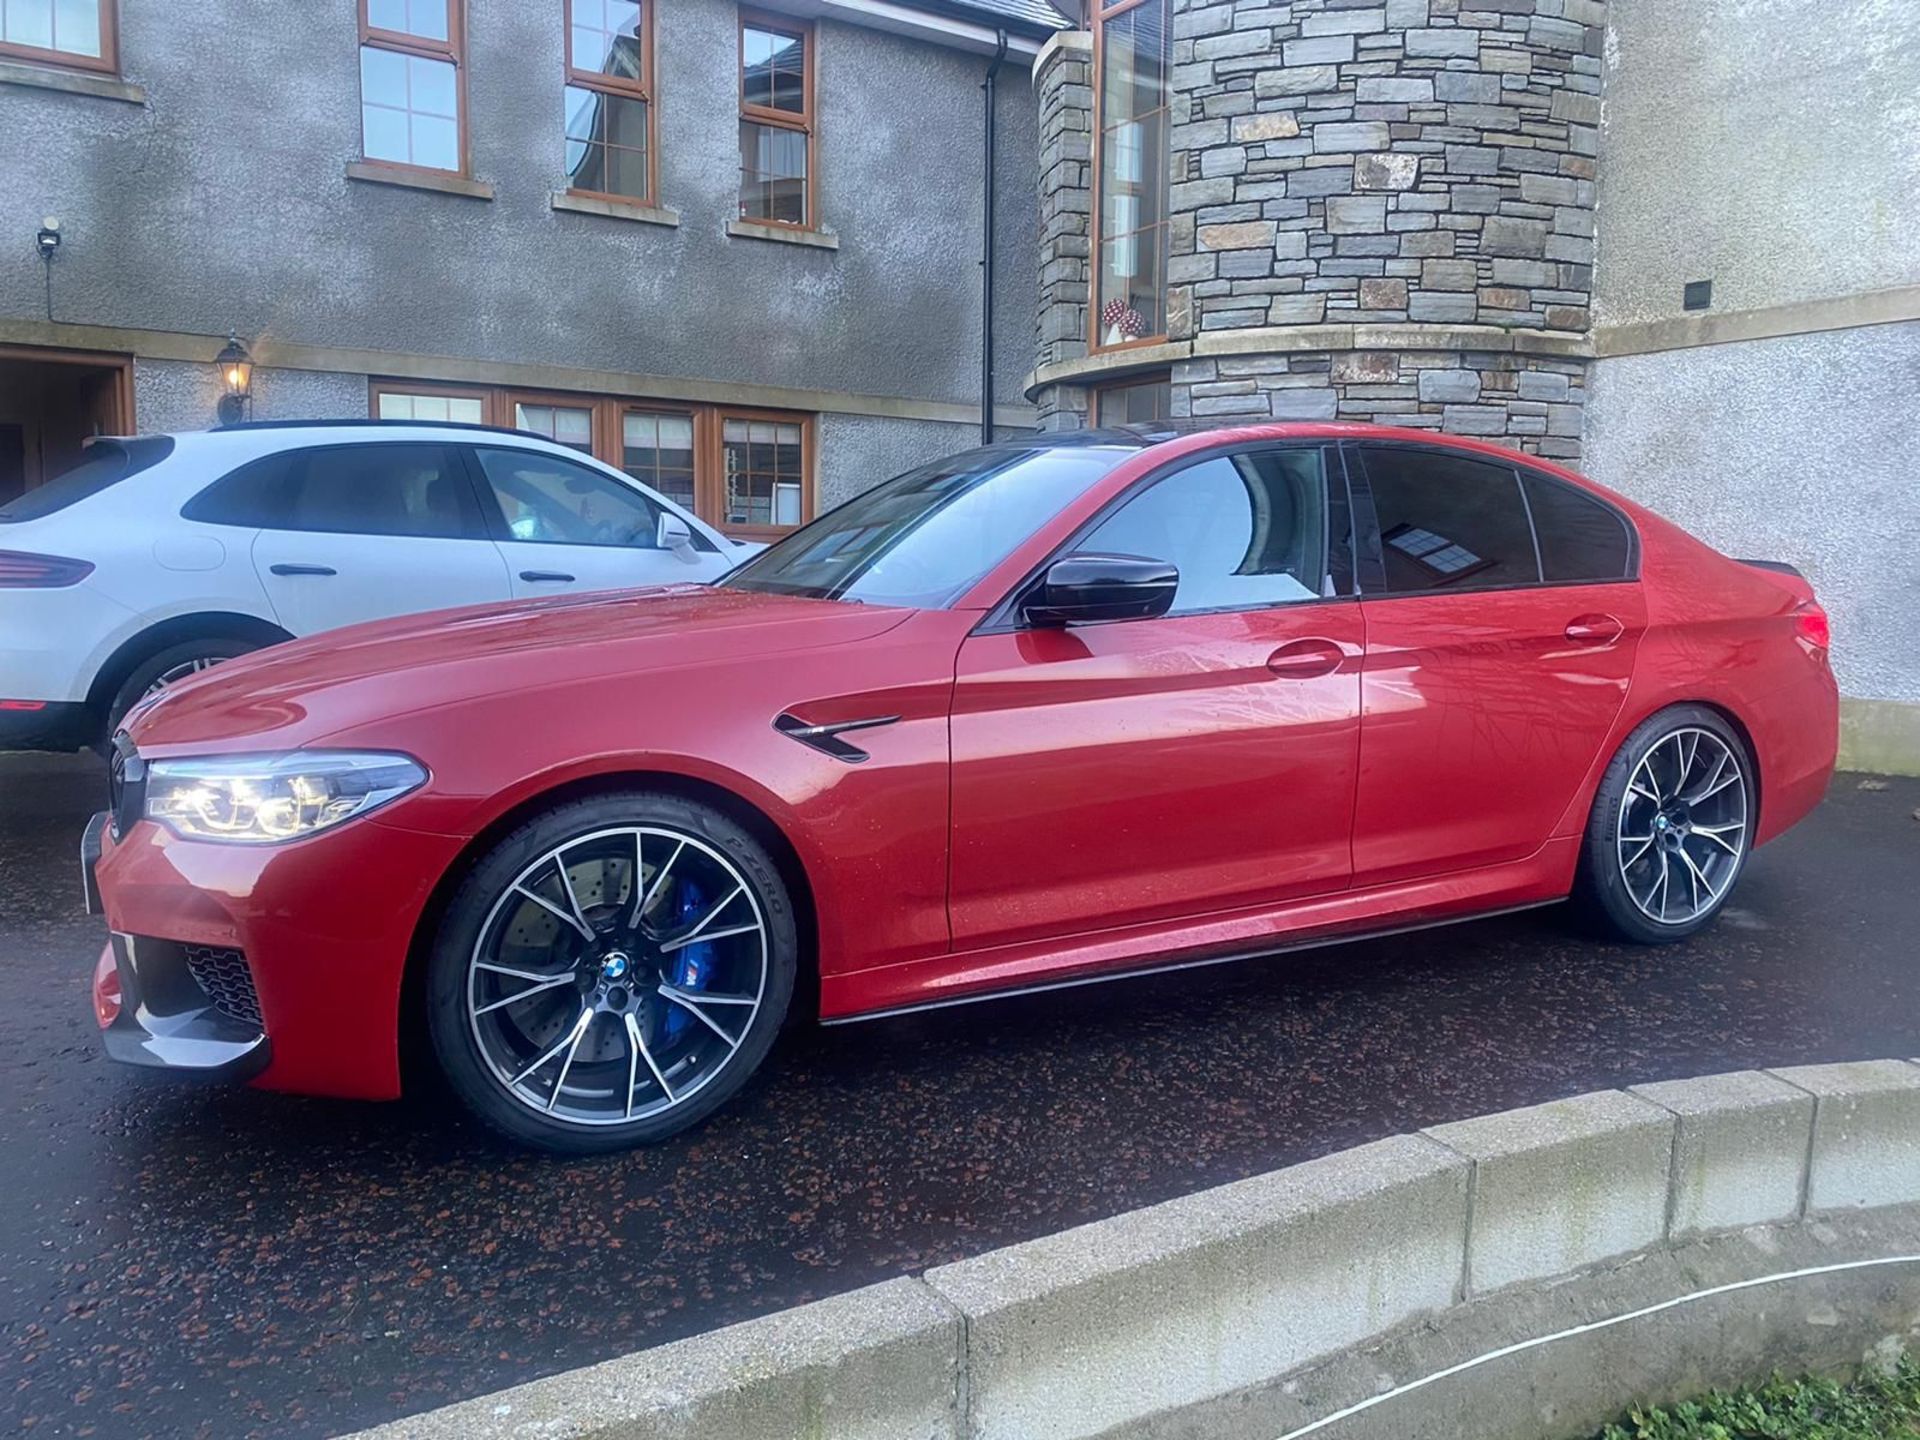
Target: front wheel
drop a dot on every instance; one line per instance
(611, 973)
(1671, 827)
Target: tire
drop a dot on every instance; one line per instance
(1667, 806)
(509, 1053)
(165, 666)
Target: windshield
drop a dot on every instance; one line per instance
(923, 538)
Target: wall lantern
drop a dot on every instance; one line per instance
(236, 380)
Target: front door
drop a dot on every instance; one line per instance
(1147, 770)
(1488, 690)
(567, 526)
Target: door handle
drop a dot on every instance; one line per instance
(1305, 659)
(557, 577)
(1594, 629)
(303, 570)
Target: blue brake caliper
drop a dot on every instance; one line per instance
(692, 967)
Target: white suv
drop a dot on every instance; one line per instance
(165, 554)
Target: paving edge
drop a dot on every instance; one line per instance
(1257, 1308)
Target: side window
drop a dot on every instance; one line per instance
(258, 495)
(1448, 522)
(556, 502)
(410, 490)
(1245, 531)
(417, 491)
(1580, 539)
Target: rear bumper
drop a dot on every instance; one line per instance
(323, 926)
(54, 725)
(1797, 732)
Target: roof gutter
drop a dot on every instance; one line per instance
(937, 24)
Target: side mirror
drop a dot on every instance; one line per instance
(672, 534)
(1082, 589)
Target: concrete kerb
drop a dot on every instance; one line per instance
(883, 1363)
(1077, 1332)
(1251, 1309)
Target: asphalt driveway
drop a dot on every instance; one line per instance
(180, 1261)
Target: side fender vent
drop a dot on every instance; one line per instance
(826, 738)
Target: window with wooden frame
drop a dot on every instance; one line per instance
(430, 402)
(776, 121)
(763, 472)
(1134, 401)
(748, 473)
(1130, 67)
(609, 99)
(80, 34)
(413, 84)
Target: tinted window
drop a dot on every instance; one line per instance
(923, 538)
(1447, 522)
(108, 462)
(413, 490)
(557, 502)
(1244, 530)
(1580, 539)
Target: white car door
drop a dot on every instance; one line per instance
(364, 531)
(566, 526)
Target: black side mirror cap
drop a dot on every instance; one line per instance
(1086, 588)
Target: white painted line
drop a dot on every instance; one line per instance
(1538, 1341)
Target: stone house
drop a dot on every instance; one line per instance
(1673, 242)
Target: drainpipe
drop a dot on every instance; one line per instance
(986, 249)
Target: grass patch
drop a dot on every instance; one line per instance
(1874, 1406)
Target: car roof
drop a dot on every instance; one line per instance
(1198, 434)
(231, 444)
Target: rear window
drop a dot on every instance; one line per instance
(108, 462)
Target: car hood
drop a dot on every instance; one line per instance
(300, 692)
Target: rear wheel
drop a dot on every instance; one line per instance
(1671, 827)
(611, 973)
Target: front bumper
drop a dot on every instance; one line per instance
(163, 1019)
(325, 927)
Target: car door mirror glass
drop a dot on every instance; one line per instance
(1086, 588)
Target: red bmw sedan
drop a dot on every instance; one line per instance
(1045, 713)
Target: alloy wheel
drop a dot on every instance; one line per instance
(618, 975)
(176, 673)
(1683, 826)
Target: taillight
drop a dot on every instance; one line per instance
(20, 571)
(1811, 624)
(23, 705)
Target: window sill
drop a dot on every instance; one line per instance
(615, 209)
(445, 184)
(70, 82)
(783, 234)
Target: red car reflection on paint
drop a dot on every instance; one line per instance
(1048, 712)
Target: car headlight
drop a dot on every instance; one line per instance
(267, 799)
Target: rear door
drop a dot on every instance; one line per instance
(1501, 628)
(1145, 770)
(360, 532)
(563, 526)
